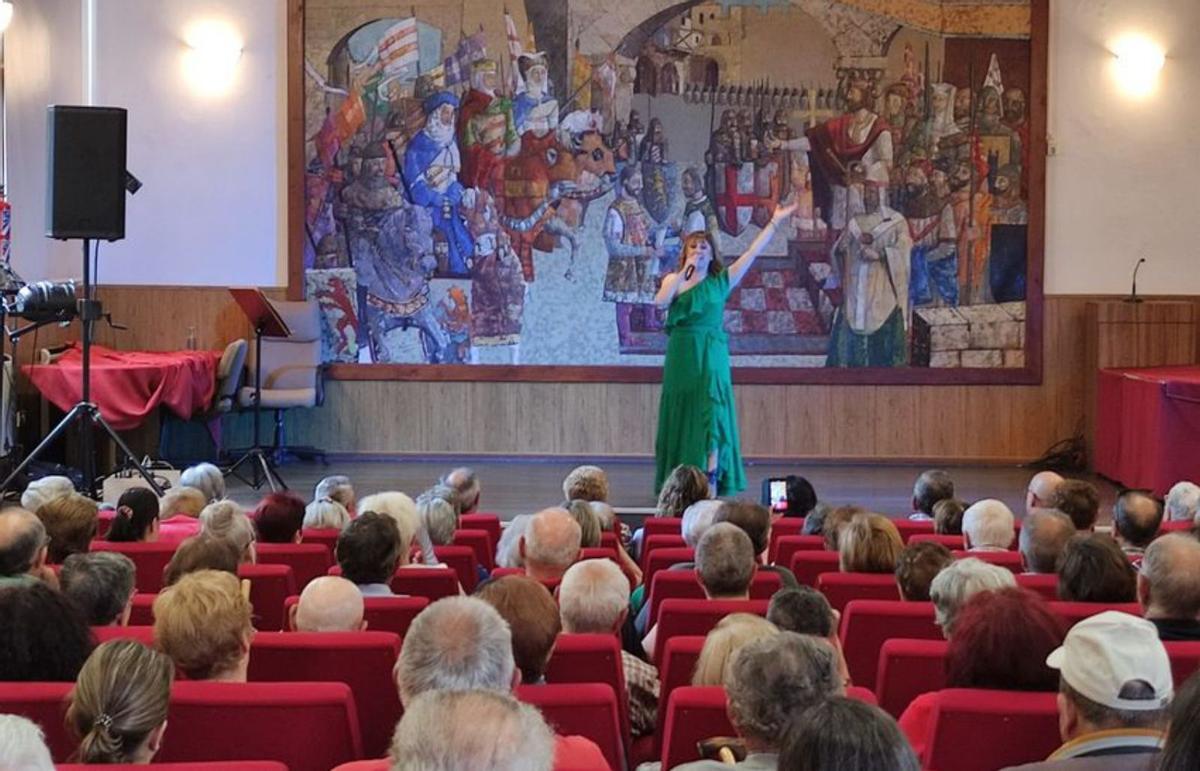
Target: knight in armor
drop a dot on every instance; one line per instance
(487, 130)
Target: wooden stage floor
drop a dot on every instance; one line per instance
(512, 487)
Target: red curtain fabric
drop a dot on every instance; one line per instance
(1148, 426)
(128, 385)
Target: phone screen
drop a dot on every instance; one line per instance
(778, 494)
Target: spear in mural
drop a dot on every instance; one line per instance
(970, 255)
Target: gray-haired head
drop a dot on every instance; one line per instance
(456, 644)
(41, 490)
(22, 539)
(698, 518)
(1183, 502)
(338, 488)
(775, 677)
(477, 729)
(325, 513)
(1044, 536)
(988, 524)
(552, 541)
(725, 561)
(842, 733)
(508, 550)
(206, 478)
(439, 517)
(1169, 585)
(466, 487)
(100, 583)
(931, 486)
(22, 745)
(605, 514)
(955, 584)
(228, 520)
(592, 597)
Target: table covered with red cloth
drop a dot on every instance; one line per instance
(129, 385)
(1148, 426)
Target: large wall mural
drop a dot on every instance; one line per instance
(492, 184)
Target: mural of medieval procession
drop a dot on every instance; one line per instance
(491, 184)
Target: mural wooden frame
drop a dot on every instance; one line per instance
(1030, 374)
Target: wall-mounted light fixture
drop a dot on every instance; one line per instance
(6, 11)
(1138, 62)
(211, 58)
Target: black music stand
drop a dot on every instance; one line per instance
(266, 321)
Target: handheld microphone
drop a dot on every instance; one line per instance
(1133, 298)
(688, 272)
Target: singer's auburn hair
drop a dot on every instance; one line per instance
(714, 267)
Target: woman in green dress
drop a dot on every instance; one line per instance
(697, 424)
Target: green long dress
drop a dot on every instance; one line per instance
(696, 413)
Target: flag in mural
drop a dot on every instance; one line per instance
(349, 117)
(398, 47)
(514, 50)
(470, 48)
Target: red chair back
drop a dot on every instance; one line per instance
(652, 543)
(1185, 659)
(678, 664)
(591, 658)
(784, 548)
(230, 765)
(951, 542)
(907, 669)
(490, 523)
(782, 527)
(841, 588)
(609, 540)
(307, 560)
(663, 558)
(1004, 559)
(867, 623)
(910, 527)
(430, 583)
(982, 730)
(480, 542)
(323, 535)
(1044, 585)
(46, 705)
(150, 559)
(307, 726)
(270, 585)
(361, 660)
(685, 585)
(382, 614)
(598, 553)
(142, 634)
(104, 520)
(141, 611)
(807, 565)
(694, 713)
(549, 583)
(1074, 612)
(661, 526)
(462, 559)
(1174, 526)
(575, 709)
(697, 617)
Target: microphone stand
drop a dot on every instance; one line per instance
(1133, 298)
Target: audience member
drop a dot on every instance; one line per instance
(606, 516)
(1114, 692)
(769, 681)
(1080, 501)
(179, 512)
(550, 544)
(948, 516)
(1181, 752)
(328, 604)
(439, 518)
(839, 734)
(100, 583)
(1001, 640)
(587, 482)
(1136, 519)
(136, 517)
(683, 486)
(729, 636)
(462, 644)
(958, 582)
(593, 598)
(43, 636)
(279, 518)
(1168, 587)
(41, 490)
(1044, 536)
(458, 730)
(1093, 569)
(226, 519)
(118, 707)
(465, 484)
(445, 493)
(814, 523)
(916, 568)
(202, 552)
(508, 550)
(533, 620)
(1041, 491)
(368, 552)
(755, 521)
(206, 478)
(403, 511)
(931, 486)
(1183, 502)
(337, 488)
(325, 514)
(203, 623)
(23, 549)
(805, 611)
(835, 521)
(988, 525)
(801, 498)
(589, 526)
(22, 745)
(697, 519)
(70, 522)
(869, 543)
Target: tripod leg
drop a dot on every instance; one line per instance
(51, 437)
(99, 419)
(267, 472)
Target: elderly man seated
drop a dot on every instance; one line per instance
(328, 604)
(550, 544)
(1114, 690)
(23, 549)
(931, 486)
(1080, 501)
(100, 583)
(1183, 502)
(1168, 586)
(1041, 491)
(1044, 537)
(958, 582)
(1136, 519)
(769, 681)
(988, 526)
(467, 490)
(594, 599)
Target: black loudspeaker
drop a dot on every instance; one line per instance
(85, 190)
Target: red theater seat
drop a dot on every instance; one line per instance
(662, 526)
(841, 588)
(783, 527)
(807, 565)
(430, 583)
(141, 612)
(1074, 612)
(1045, 585)
(910, 527)
(142, 634)
(663, 558)
(867, 623)
(591, 658)
(228, 765)
(678, 664)
(697, 617)
(482, 521)
(785, 547)
(1185, 659)
(270, 585)
(361, 660)
(462, 559)
(46, 705)
(382, 614)
(480, 542)
(652, 543)
(609, 540)
(549, 583)
(307, 560)
(1175, 526)
(149, 558)
(693, 714)
(951, 542)
(588, 710)
(907, 669)
(323, 535)
(598, 553)
(684, 584)
(307, 726)
(1004, 559)
(982, 730)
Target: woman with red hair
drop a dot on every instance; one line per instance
(279, 517)
(1001, 640)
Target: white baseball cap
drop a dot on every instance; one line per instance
(1104, 653)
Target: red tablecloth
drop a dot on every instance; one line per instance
(128, 385)
(1148, 426)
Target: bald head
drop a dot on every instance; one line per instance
(465, 484)
(22, 542)
(1041, 491)
(1136, 517)
(551, 543)
(329, 604)
(1169, 582)
(1044, 535)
